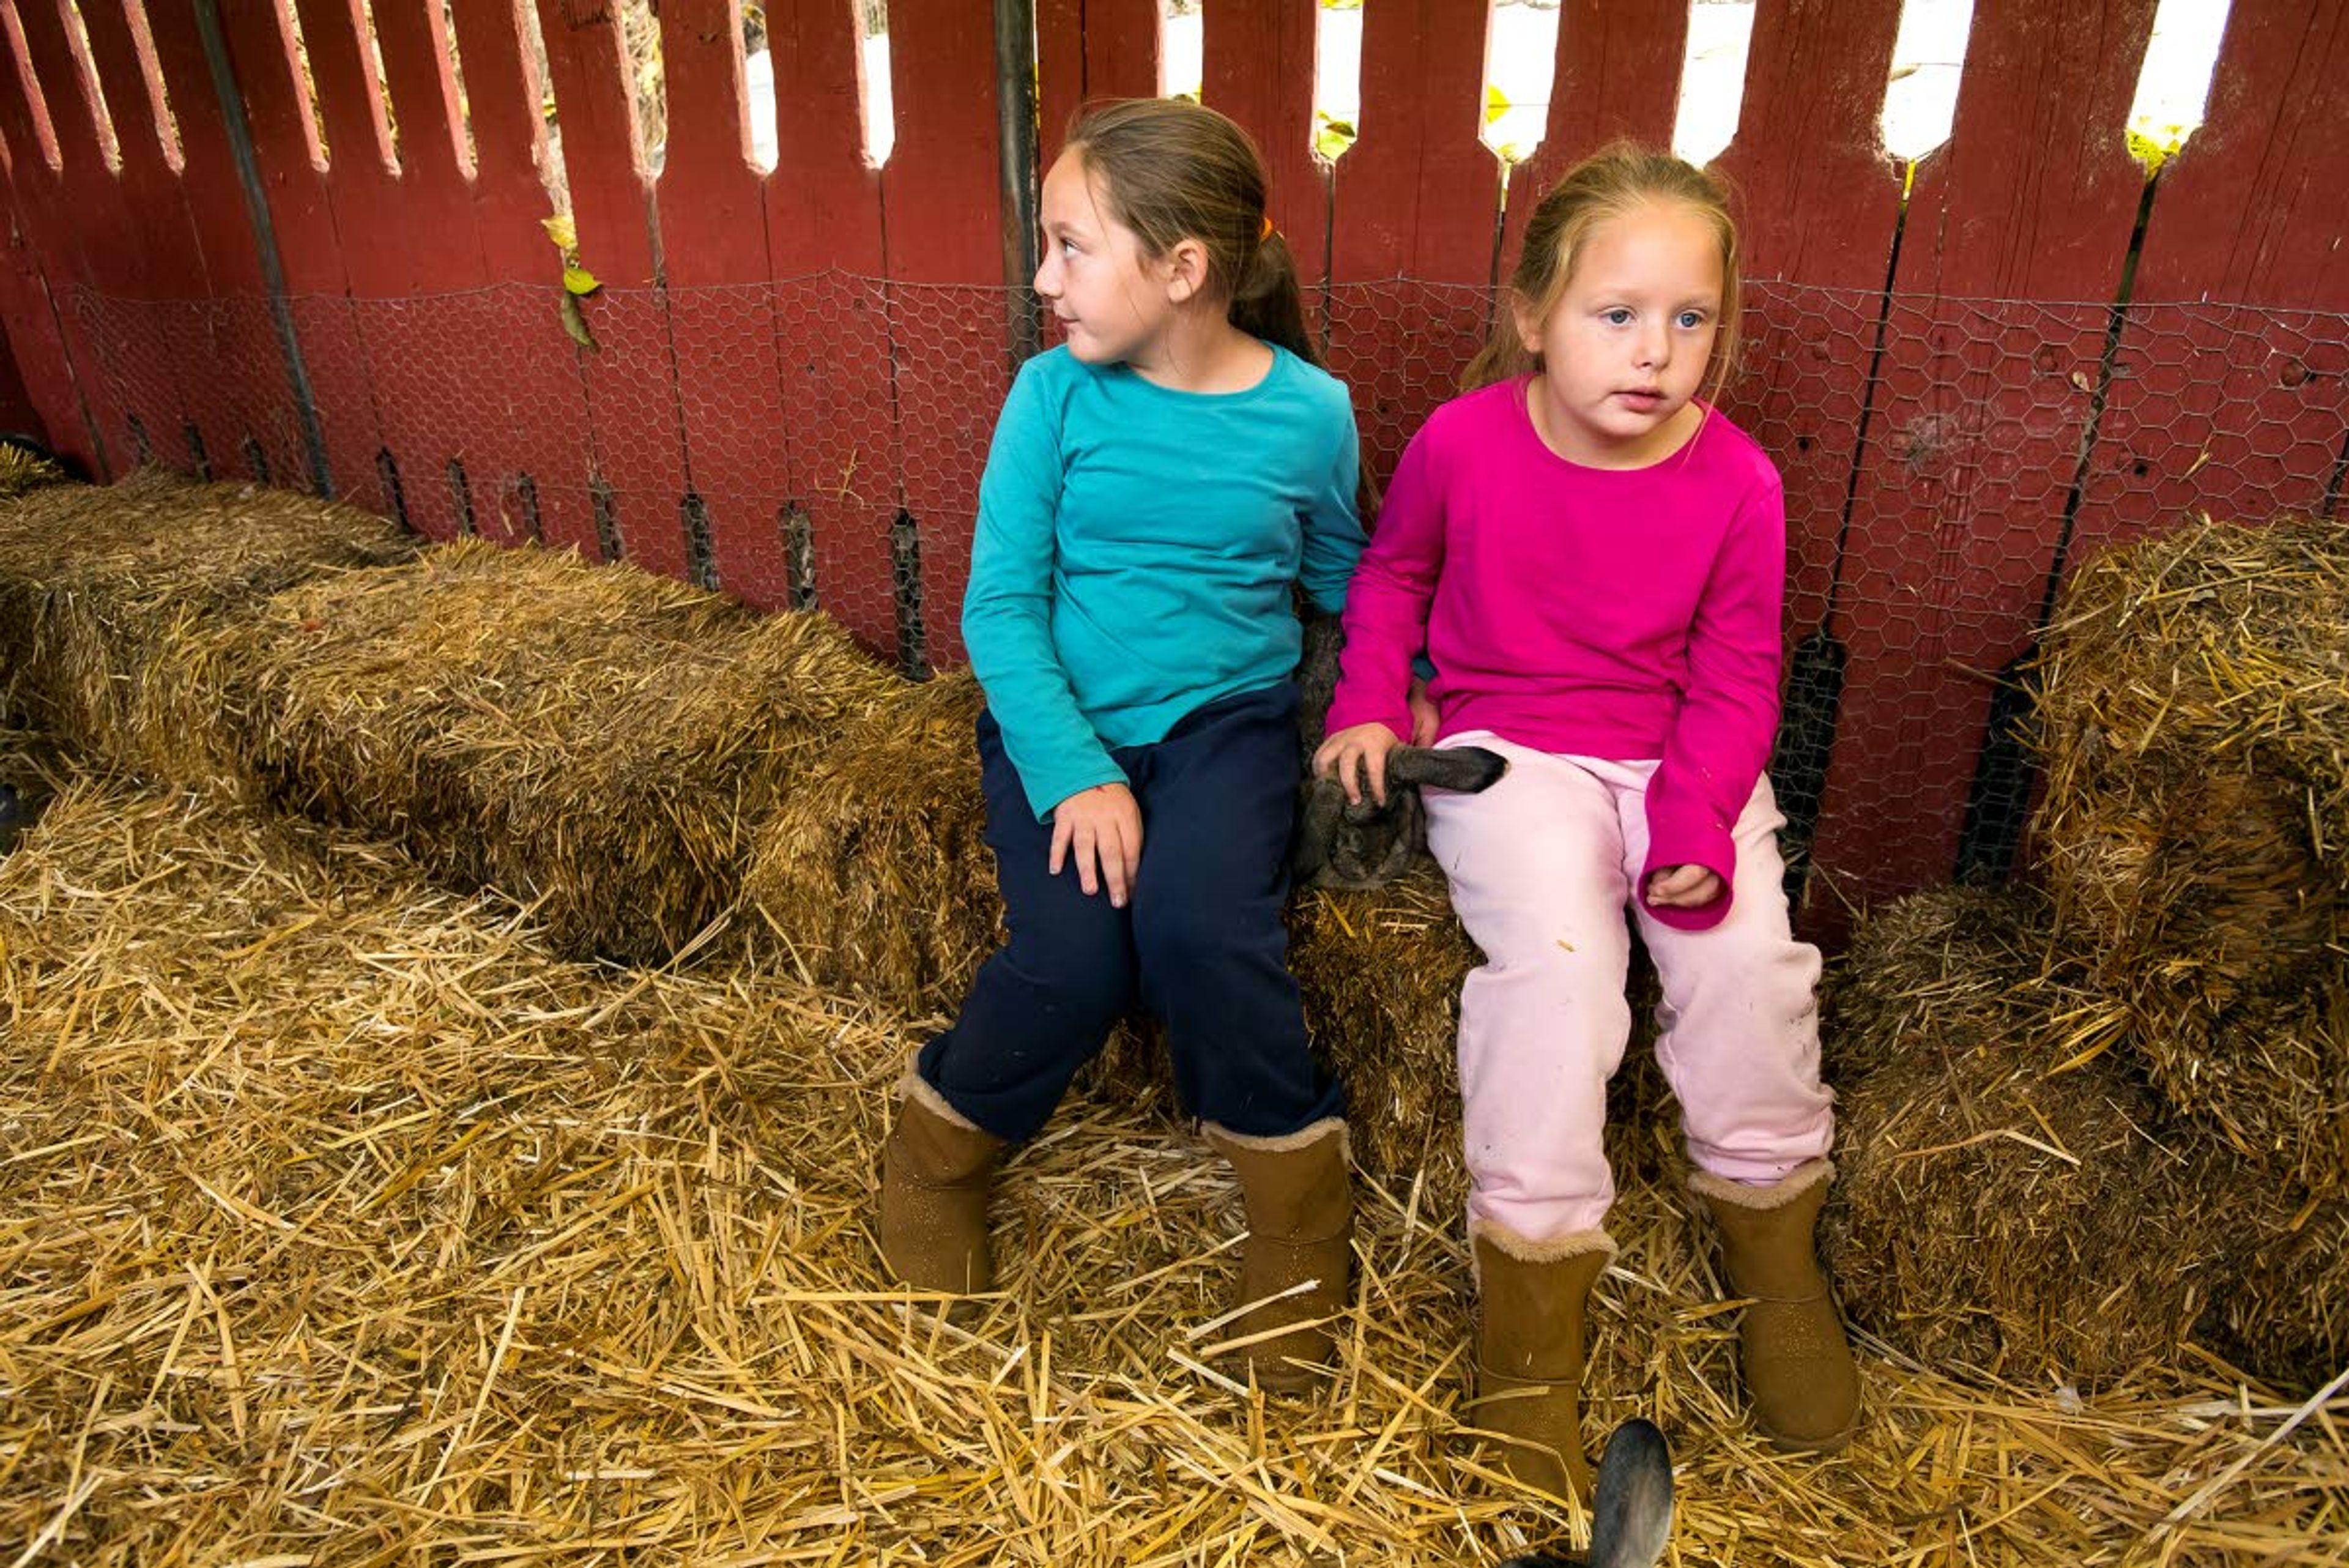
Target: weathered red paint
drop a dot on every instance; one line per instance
(1618, 74)
(824, 241)
(1260, 69)
(632, 375)
(1418, 196)
(1971, 457)
(947, 306)
(1817, 199)
(2245, 412)
(1088, 50)
(713, 225)
(527, 360)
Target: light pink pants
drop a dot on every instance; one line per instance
(1542, 867)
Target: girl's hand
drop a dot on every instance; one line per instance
(1103, 825)
(1424, 720)
(1354, 754)
(1683, 886)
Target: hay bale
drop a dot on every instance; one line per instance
(346, 1223)
(1381, 970)
(1996, 1213)
(874, 872)
(23, 471)
(105, 592)
(2283, 1312)
(2196, 822)
(596, 742)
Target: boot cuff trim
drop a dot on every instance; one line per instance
(915, 1088)
(1777, 1195)
(1284, 1143)
(1550, 1250)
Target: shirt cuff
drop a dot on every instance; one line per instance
(1690, 845)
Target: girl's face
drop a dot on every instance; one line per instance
(1115, 302)
(1627, 345)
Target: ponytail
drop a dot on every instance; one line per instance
(1269, 303)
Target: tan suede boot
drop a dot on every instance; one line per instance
(1799, 1364)
(1530, 1300)
(936, 1169)
(1300, 1211)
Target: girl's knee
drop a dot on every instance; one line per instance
(1081, 975)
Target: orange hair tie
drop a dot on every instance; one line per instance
(1265, 232)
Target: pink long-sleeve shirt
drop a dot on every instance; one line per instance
(1626, 614)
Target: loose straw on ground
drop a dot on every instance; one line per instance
(343, 1224)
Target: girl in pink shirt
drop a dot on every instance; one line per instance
(1594, 559)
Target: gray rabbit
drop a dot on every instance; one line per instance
(1341, 845)
(1631, 1504)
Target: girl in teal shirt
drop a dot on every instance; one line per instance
(1155, 488)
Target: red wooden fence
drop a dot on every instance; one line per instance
(793, 374)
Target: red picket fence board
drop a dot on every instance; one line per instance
(395, 241)
(1817, 199)
(631, 375)
(1618, 74)
(447, 403)
(18, 411)
(1087, 50)
(2243, 413)
(142, 345)
(239, 390)
(1416, 196)
(50, 215)
(531, 362)
(302, 216)
(35, 342)
(1259, 69)
(245, 364)
(1971, 458)
(824, 241)
(945, 297)
(713, 222)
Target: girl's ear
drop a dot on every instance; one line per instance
(1186, 262)
(1528, 322)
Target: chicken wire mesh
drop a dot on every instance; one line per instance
(817, 442)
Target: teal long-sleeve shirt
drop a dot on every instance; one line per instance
(1135, 550)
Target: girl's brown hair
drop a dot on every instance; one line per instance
(1617, 179)
(1173, 170)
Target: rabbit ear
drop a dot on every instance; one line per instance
(1325, 806)
(1467, 769)
(1317, 674)
(1632, 1512)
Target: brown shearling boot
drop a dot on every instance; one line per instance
(1798, 1366)
(1300, 1213)
(935, 1169)
(1531, 1297)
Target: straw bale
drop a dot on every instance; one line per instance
(596, 742)
(874, 872)
(105, 592)
(23, 471)
(345, 1225)
(2283, 1312)
(2196, 822)
(1996, 1212)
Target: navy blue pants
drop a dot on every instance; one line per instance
(1200, 940)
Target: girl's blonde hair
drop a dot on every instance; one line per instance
(1173, 170)
(1617, 179)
